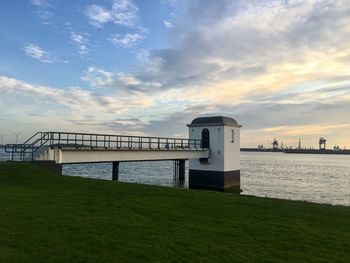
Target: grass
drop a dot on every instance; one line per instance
(45, 217)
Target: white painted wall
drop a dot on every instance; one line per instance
(224, 155)
(232, 150)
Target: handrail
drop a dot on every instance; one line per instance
(31, 138)
(37, 140)
(134, 136)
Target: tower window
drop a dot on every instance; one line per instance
(205, 138)
(233, 136)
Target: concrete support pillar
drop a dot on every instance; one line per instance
(179, 169)
(176, 169)
(115, 171)
(182, 169)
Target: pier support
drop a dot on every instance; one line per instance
(182, 170)
(115, 171)
(179, 169)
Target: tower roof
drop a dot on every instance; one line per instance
(214, 121)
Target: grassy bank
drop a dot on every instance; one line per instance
(50, 218)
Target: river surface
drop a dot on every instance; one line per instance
(319, 178)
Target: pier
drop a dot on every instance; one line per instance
(212, 150)
(67, 148)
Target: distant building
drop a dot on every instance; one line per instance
(275, 144)
(322, 143)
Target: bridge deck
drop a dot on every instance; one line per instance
(72, 155)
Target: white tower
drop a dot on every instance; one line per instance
(221, 171)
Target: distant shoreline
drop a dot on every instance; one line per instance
(300, 151)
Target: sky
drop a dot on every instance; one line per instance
(280, 68)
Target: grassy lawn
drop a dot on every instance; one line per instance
(45, 217)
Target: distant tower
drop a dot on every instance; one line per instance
(275, 144)
(322, 143)
(221, 171)
(299, 146)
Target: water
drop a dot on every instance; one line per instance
(314, 178)
(4, 156)
(154, 173)
(308, 177)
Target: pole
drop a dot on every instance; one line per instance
(17, 135)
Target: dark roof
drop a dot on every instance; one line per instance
(214, 121)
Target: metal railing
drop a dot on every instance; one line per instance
(43, 140)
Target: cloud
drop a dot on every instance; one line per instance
(122, 12)
(81, 40)
(168, 24)
(121, 82)
(98, 15)
(98, 77)
(126, 41)
(227, 41)
(72, 98)
(281, 68)
(44, 10)
(41, 3)
(70, 107)
(38, 53)
(307, 129)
